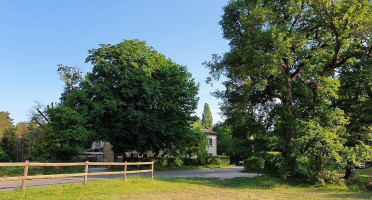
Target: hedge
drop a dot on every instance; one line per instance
(218, 160)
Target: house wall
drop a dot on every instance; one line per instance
(108, 153)
(212, 150)
(110, 157)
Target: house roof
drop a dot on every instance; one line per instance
(209, 132)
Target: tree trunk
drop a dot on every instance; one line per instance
(350, 172)
(320, 163)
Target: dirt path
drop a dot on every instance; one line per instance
(225, 173)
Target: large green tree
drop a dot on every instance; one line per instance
(281, 74)
(63, 137)
(207, 119)
(136, 98)
(356, 100)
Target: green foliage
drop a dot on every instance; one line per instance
(355, 98)
(218, 160)
(8, 145)
(71, 76)
(254, 163)
(3, 156)
(63, 138)
(168, 162)
(207, 119)
(136, 99)
(6, 124)
(16, 141)
(224, 140)
(232, 146)
(195, 143)
(281, 82)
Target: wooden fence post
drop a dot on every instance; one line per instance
(125, 171)
(152, 170)
(25, 172)
(86, 172)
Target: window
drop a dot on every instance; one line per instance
(210, 142)
(135, 155)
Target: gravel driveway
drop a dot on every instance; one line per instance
(224, 173)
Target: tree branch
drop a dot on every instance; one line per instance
(298, 71)
(40, 124)
(42, 114)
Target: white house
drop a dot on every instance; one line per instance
(212, 141)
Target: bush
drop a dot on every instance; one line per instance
(190, 162)
(3, 156)
(330, 177)
(162, 162)
(273, 164)
(177, 162)
(218, 160)
(254, 163)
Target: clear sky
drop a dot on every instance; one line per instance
(35, 36)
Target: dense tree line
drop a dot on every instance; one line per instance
(16, 141)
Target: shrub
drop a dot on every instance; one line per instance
(330, 177)
(273, 164)
(254, 163)
(177, 162)
(161, 162)
(218, 160)
(190, 162)
(3, 156)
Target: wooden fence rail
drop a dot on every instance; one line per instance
(28, 164)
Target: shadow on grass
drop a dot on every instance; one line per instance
(354, 195)
(262, 182)
(268, 183)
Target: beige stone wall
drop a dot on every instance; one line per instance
(108, 153)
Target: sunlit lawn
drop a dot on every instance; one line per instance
(181, 188)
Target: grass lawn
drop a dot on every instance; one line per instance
(181, 188)
(363, 175)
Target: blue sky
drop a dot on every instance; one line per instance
(35, 36)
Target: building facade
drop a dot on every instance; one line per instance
(102, 151)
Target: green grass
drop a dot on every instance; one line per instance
(363, 176)
(182, 188)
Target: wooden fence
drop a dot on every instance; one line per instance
(28, 164)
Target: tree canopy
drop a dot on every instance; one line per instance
(355, 98)
(62, 138)
(207, 119)
(136, 98)
(6, 123)
(281, 75)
